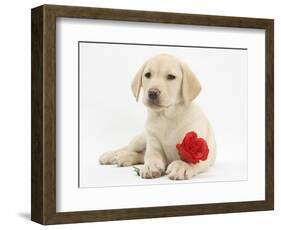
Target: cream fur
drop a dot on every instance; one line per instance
(167, 122)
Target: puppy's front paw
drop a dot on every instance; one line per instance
(108, 158)
(153, 169)
(180, 170)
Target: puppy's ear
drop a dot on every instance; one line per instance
(191, 87)
(137, 82)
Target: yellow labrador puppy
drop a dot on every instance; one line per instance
(169, 87)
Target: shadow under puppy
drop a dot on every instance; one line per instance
(169, 88)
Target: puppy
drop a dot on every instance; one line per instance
(169, 88)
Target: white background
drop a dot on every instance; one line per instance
(15, 116)
(110, 116)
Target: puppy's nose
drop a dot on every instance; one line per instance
(153, 93)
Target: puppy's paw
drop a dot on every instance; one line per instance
(152, 169)
(128, 158)
(108, 158)
(180, 170)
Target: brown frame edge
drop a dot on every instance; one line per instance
(43, 114)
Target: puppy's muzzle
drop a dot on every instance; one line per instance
(153, 93)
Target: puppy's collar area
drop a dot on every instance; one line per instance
(171, 113)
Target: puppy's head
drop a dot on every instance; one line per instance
(165, 82)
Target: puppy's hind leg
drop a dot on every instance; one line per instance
(134, 153)
(128, 158)
(131, 154)
(109, 158)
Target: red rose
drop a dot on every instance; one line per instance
(193, 149)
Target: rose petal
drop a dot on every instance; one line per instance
(204, 148)
(185, 155)
(189, 137)
(198, 155)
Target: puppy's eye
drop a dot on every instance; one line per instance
(171, 77)
(148, 75)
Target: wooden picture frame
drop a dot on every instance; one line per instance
(43, 160)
